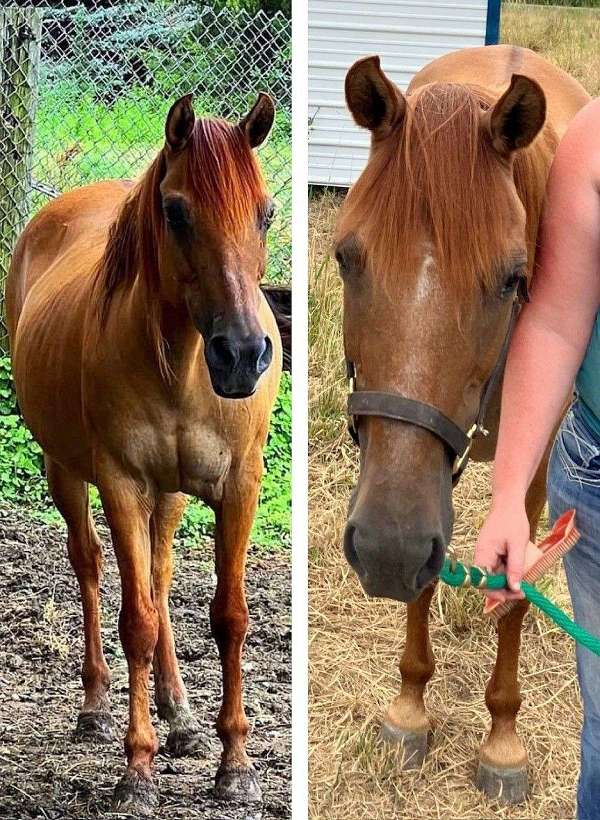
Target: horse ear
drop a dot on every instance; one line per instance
(180, 123)
(518, 116)
(374, 101)
(259, 120)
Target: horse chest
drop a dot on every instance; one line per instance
(193, 459)
(203, 460)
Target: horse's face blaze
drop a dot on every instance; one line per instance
(214, 248)
(411, 328)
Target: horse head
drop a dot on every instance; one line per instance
(432, 243)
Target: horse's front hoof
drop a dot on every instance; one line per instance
(509, 786)
(237, 783)
(413, 745)
(94, 726)
(135, 794)
(185, 741)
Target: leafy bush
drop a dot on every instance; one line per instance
(22, 464)
(21, 461)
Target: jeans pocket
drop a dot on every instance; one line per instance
(578, 450)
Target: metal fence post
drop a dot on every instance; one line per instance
(20, 37)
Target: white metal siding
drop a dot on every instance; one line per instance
(406, 34)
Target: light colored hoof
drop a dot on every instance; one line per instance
(237, 784)
(96, 727)
(135, 794)
(414, 744)
(509, 786)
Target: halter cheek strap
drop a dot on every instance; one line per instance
(411, 411)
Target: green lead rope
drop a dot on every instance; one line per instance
(456, 574)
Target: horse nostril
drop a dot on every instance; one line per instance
(265, 355)
(433, 565)
(223, 352)
(350, 550)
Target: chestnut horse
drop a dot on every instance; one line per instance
(146, 361)
(432, 242)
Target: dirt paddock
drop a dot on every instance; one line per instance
(44, 774)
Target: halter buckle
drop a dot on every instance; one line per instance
(460, 462)
(351, 376)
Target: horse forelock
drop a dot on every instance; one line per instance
(225, 176)
(437, 180)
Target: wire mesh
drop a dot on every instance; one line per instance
(107, 75)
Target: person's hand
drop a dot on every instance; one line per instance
(501, 547)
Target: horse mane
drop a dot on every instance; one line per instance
(227, 185)
(440, 174)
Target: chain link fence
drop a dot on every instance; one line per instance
(85, 89)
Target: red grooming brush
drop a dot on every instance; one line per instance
(539, 558)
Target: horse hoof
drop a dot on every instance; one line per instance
(184, 741)
(509, 786)
(135, 794)
(237, 783)
(413, 744)
(94, 726)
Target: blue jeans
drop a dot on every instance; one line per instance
(574, 482)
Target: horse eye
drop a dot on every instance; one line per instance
(339, 258)
(349, 257)
(176, 214)
(510, 283)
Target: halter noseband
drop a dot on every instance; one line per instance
(400, 408)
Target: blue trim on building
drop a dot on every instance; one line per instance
(492, 26)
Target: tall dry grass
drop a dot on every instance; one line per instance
(355, 642)
(569, 38)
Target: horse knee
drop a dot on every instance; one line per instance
(229, 621)
(85, 555)
(138, 629)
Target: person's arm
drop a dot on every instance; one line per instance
(549, 343)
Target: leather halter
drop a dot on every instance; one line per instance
(400, 408)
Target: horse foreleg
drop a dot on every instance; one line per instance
(236, 777)
(406, 722)
(169, 690)
(128, 514)
(70, 495)
(502, 772)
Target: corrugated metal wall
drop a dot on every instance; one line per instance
(406, 34)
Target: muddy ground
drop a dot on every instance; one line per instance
(44, 773)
